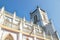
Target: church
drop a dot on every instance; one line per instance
(13, 27)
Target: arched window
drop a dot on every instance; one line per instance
(35, 19)
(9, 37)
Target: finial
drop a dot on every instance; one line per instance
(24, 18)
(37, 6)
(2, 10)
(30, 11)
(14, 15)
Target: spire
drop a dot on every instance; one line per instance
(31, 23)
(37, 6)
(24, 18)
(2, 10)
(51, 22)
(24, 22)
(14, 16)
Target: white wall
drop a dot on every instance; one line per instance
(14, 35)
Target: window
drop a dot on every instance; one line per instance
(35, 19)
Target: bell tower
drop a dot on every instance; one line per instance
(39, 16)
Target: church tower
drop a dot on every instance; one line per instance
(39, 16)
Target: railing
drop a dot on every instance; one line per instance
(27, 28)
(30, 28)
(11, 24)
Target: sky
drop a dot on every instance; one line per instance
(24, 7)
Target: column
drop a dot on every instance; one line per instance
(20, 36)
(0, 33)
(44, 34)
(2, 15)
(14, 16)
(34, 34)
(51, 37)
(34, 38)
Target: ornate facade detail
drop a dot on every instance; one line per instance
(40, 28)
(9, 37)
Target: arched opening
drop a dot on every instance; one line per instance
(9, 37)
(35, 19)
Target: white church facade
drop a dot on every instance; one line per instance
(14, 28)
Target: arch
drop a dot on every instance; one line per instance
(35, 19)
(9, 37)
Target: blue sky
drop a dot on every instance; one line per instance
(24, 7)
